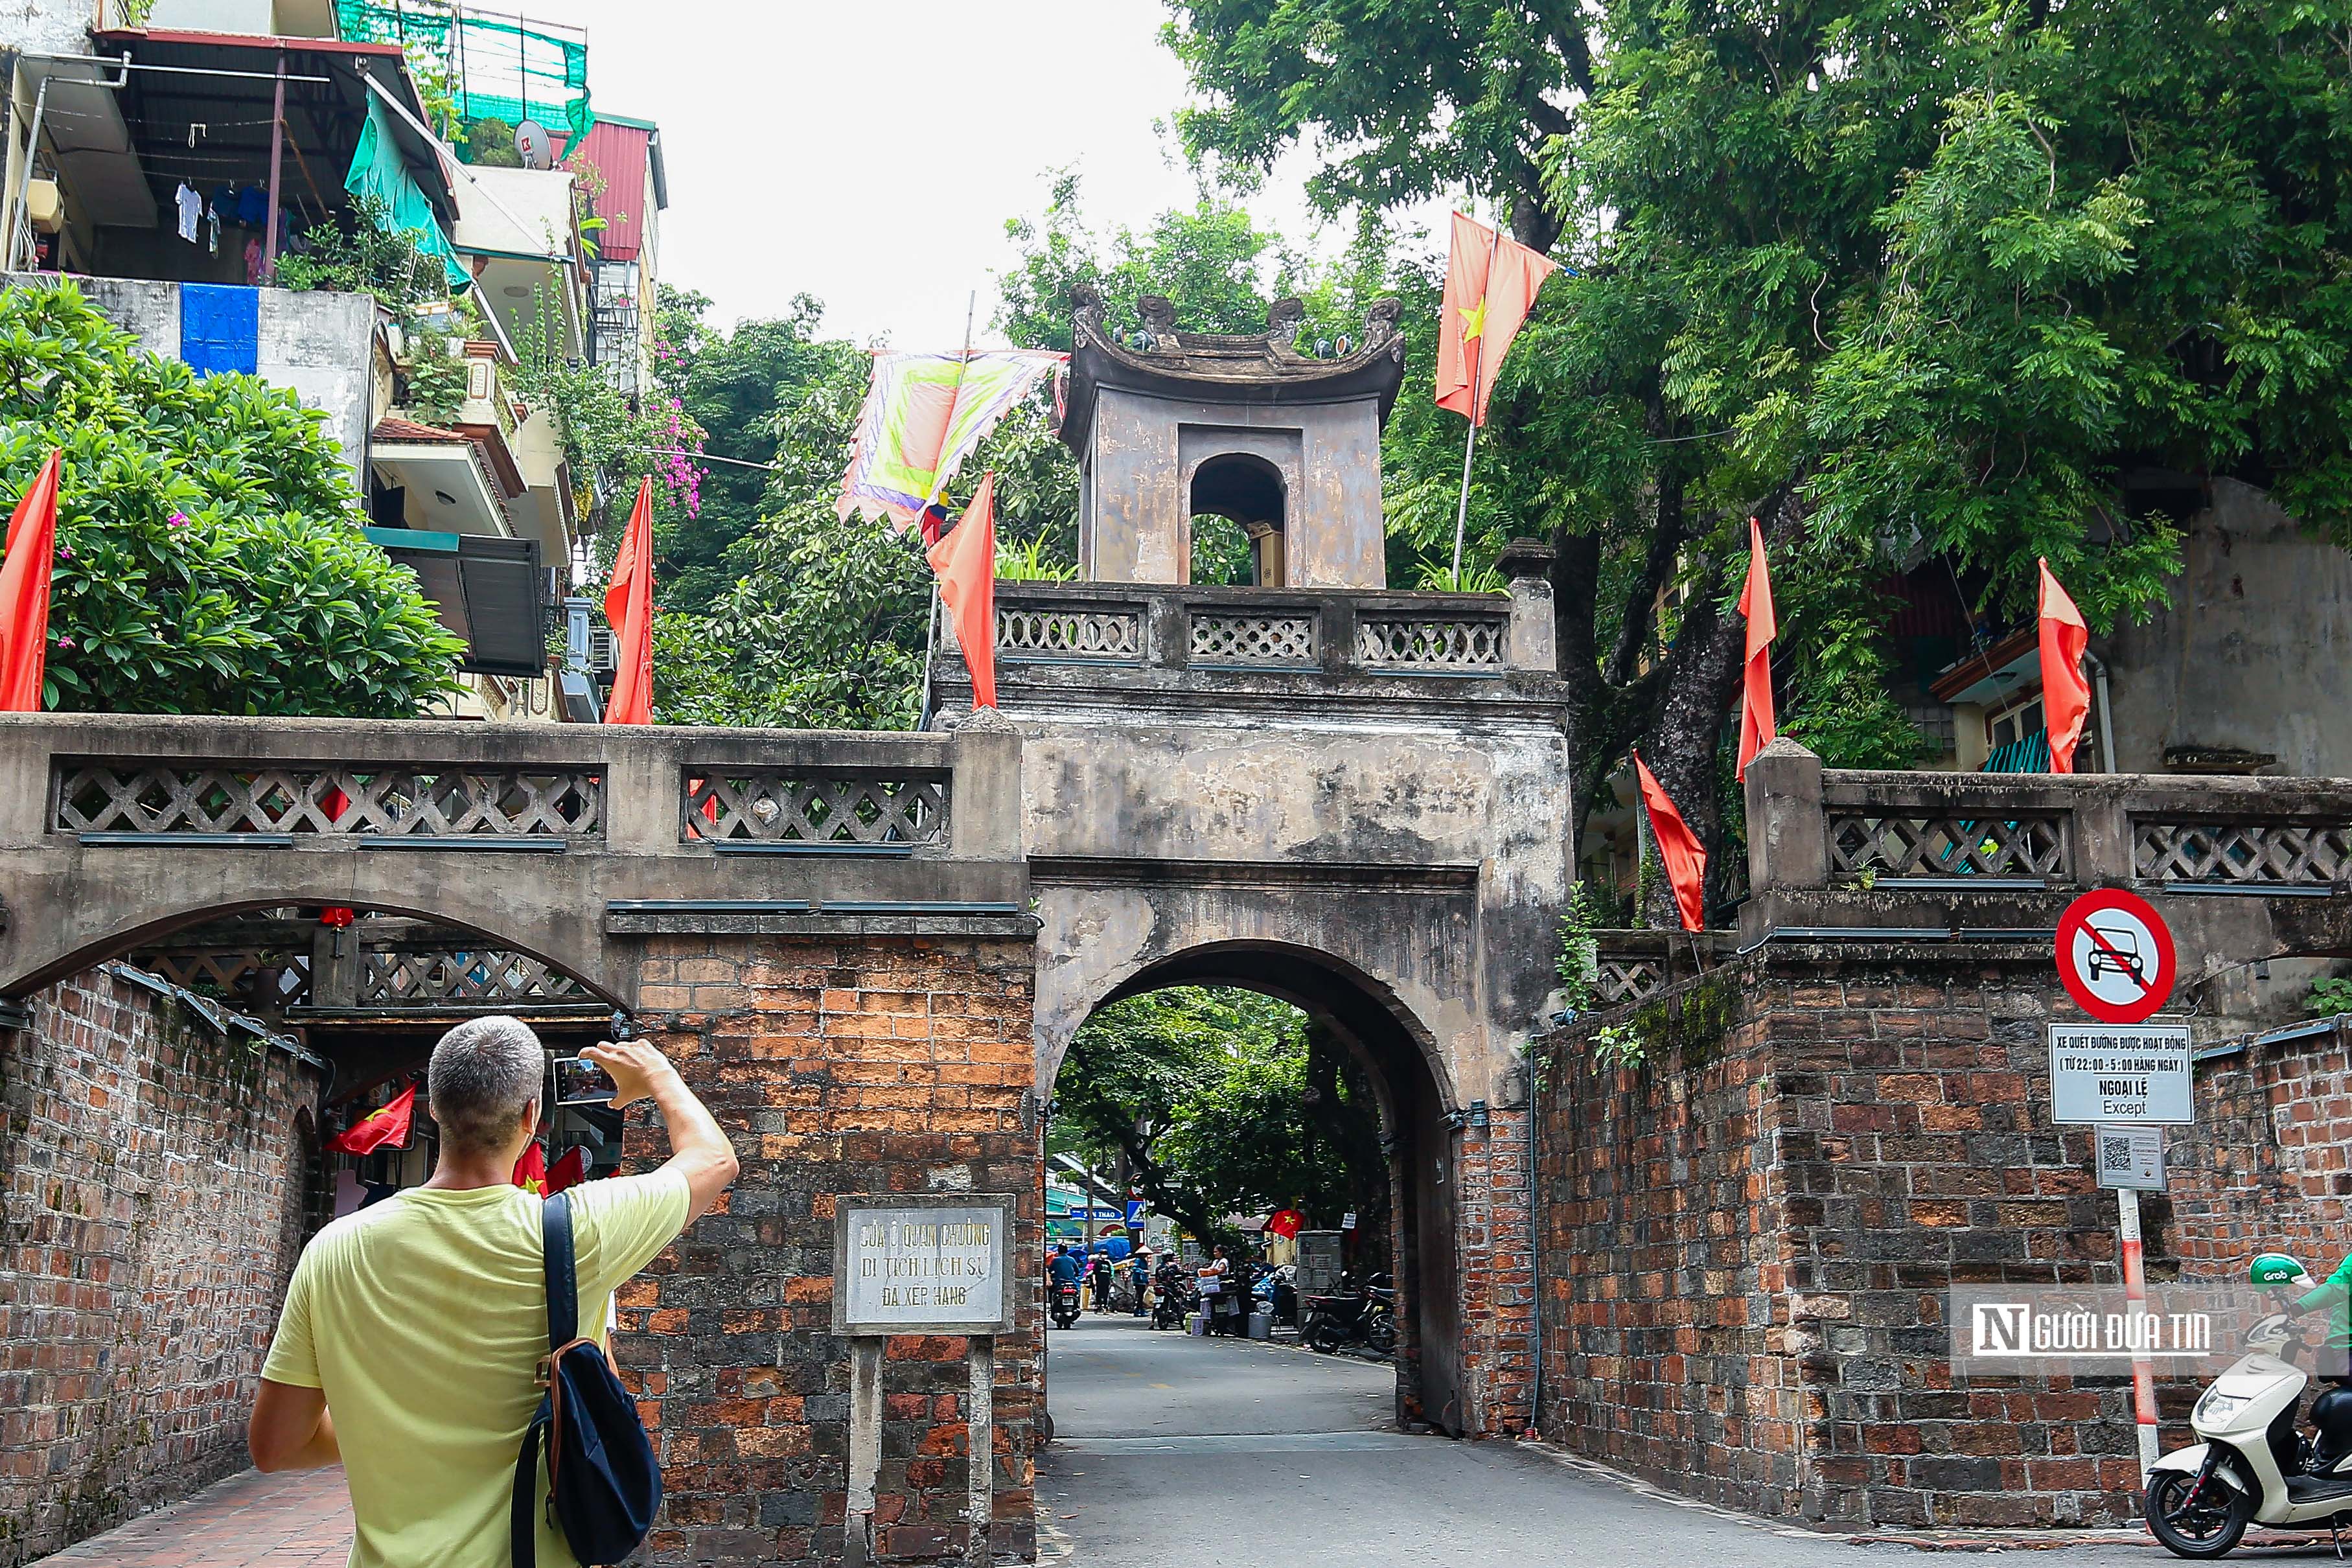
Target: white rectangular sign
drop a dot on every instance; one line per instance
(914, 1266)
(2122, 1073)
(2131, 1157)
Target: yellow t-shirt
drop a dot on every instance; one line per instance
(423, 1318)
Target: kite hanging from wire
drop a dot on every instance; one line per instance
(924, 414)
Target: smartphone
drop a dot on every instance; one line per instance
(579, 1081)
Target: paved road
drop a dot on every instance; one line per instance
(1174, 1452)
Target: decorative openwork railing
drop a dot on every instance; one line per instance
(1870, 843)
(255, 980)
(1050, 635)
(2291, 853)
(485, 978)
(1817, 837)
(1281, 631)
(786, 809)
(1240, 637)
(1460, 643)
(109, 799)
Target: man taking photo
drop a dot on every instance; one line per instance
(413, 1331)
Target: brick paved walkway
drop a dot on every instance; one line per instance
(250, 1521)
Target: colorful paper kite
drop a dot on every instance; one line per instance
(924, 413)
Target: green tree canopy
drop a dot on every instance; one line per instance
(1905, 283)
(208, 559)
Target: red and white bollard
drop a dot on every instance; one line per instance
(2136, 1294)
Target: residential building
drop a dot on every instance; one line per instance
(171, 168)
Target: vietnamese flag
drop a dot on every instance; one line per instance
(571, 1169)
(1490, 286)
(629, 610)
(385, 1129)
(2065, 695)
(1678, 849)
(530, 1170)
(966, 563)
(1756, 719)
(24, 592)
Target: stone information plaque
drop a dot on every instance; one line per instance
(918, 1264)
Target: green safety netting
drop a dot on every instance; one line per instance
(500, 67)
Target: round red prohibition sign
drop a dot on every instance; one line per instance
(2114, 954)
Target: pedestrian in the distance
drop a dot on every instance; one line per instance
(1140, 1277)
(413, 1332)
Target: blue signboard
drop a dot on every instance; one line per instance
(1134, 1214)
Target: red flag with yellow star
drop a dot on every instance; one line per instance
(385, 1129)
(1490, 286)
(530, 1170)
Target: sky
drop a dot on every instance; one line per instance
(871, 155)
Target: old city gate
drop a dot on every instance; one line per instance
(868, 952)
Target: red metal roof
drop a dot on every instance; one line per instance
(618, 152)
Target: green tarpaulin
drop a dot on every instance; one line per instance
(378, 170)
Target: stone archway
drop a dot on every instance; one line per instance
(1418, 1118)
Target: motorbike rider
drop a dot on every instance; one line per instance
(2331, 1412)
(1064, 1270)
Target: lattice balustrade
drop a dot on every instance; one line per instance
(1455, 644)
(328, 801)
(1053, 635)
(1621, 979)
(1222, 637)
(773, 805)
(2288, 853)
(482, 978)
(247, 979)
(1868, 843)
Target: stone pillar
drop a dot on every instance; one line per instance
(984, 801)
(1497, 1268)
(1788, 838)
(1526, 563)
(2101, 854)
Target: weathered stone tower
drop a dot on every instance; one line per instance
(1348, 797)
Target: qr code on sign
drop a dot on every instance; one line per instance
(2115, 1151)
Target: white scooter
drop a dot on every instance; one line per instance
(2254, 1467)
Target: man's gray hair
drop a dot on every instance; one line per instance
(483, 1072)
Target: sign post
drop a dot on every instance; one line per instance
(2126, 1076)
(924, 1264)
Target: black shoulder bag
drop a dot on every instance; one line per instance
(603, 1483)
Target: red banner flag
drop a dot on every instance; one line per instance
(966, 563)
(1678, 849)
(1490, 286)
(1757, 724)
(385, 1129)
(2065, 695)
(530, 1169)
(24, 592)
(629, 609)
(571, 1169)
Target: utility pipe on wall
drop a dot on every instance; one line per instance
(2106, 711)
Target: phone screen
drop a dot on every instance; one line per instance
(579, 1081)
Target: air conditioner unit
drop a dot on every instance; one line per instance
(604, 652)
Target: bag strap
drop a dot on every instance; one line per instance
(562, 1285)
(562, 1332)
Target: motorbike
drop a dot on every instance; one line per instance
(1365, 1314)
(1174, 1300)
(2254, 1467)
(1067, 1306)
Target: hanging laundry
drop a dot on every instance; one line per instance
(212, 222)
(253, 264)
(223, 203)
(191, 207)
(253, 206)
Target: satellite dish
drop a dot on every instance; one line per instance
(534, 146)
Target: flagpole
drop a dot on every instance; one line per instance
(938, 483)
(1477, 364)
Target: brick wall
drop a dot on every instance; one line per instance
(152, 1184)
(2268, 1166)
(1749, 1240)
(1663, 1351)
(872, 1065)
(1497, 1274)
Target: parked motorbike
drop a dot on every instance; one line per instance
(1067, 1306)
(1174, 1299)
(2254, 1466)
(1365, 1314)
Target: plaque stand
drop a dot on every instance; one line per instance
(868, 1236)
